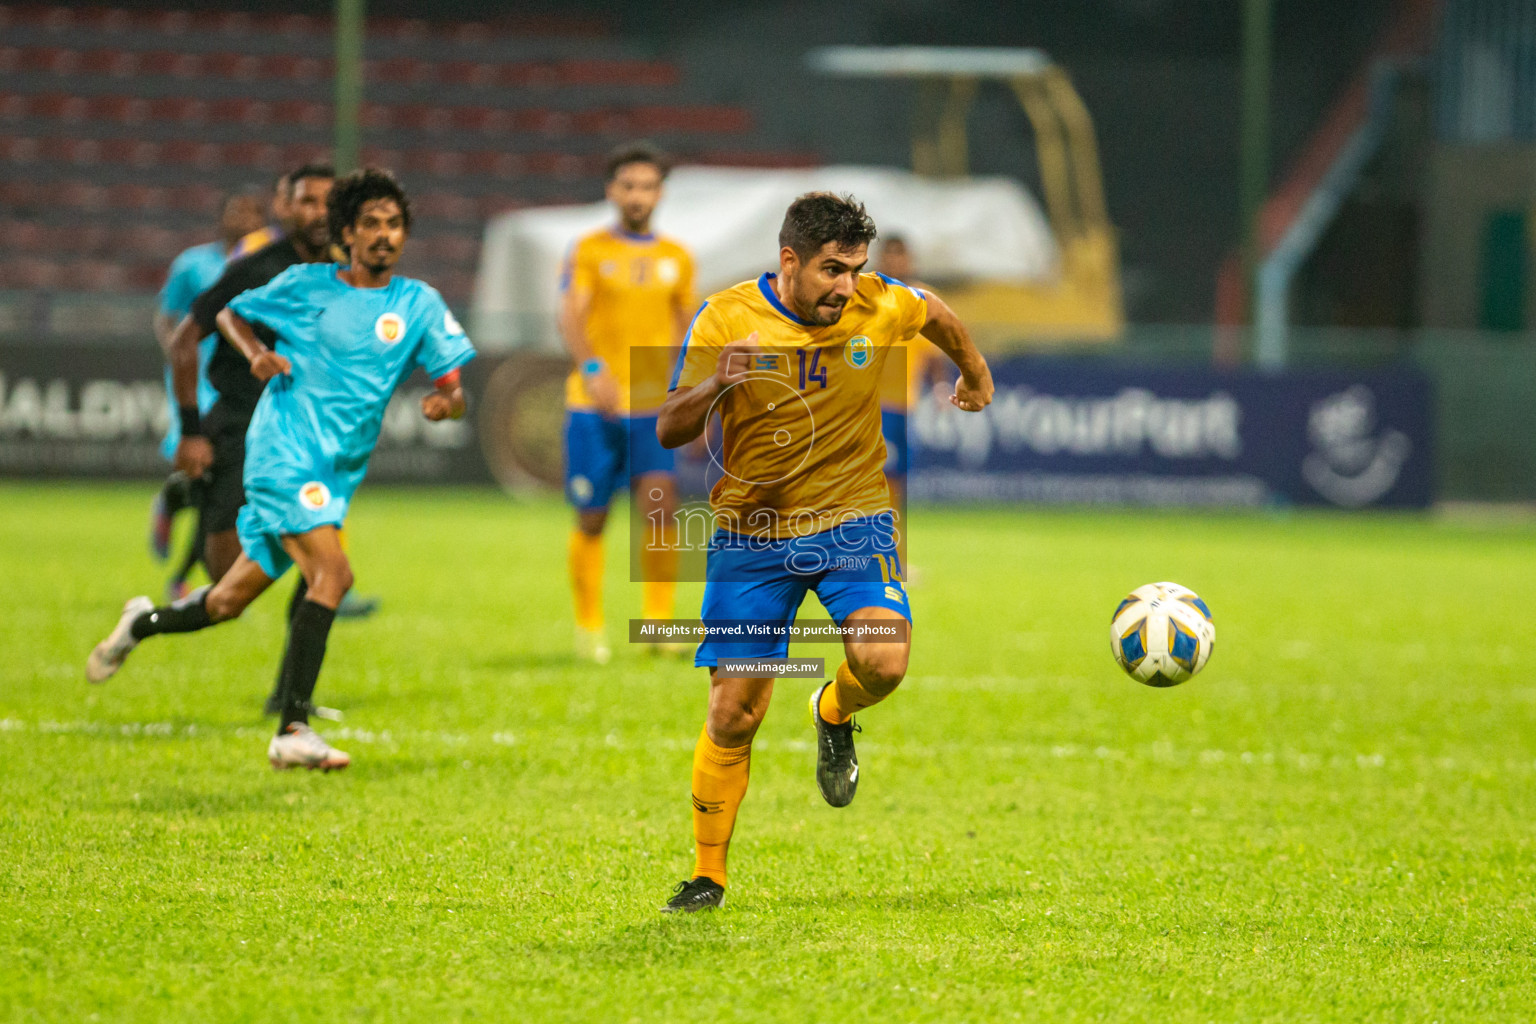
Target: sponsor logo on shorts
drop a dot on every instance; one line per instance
(859, 352)
(314, 495)
(389, 328)
(581, 489)
(895, 594)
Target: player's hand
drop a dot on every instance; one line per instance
(438, 406)
(604, 391)
(973, 395)
(735, 365)
(268, 365)
(193, 456)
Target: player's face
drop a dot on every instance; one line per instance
(635, 190)
(820, 287)
(896, 261)
(280, 201)
(377, 236)
(306, 211)
(241, 216)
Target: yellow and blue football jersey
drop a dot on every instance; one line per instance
(637, 286)
(801, 448)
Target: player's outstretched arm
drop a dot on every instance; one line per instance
(973, 391)
(447, 402)
(265, 364)
(686, 410)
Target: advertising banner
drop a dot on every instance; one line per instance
(81, 410)
(1091, 432)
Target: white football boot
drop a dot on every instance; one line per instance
(592, 645)
(299, 746)
(108, 656)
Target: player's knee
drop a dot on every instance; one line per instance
(223, 604)
(881, 669)
(332, 581)
(734, 723)
(592, 521)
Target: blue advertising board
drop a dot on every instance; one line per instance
(1083, 431)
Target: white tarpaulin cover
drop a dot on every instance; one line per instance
(975, 229)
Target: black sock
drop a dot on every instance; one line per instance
(194, 552)
(307, 631)
(299, 593)
(184, 616)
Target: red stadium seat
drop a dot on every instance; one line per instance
(116, 63)
(136, 197)
(30, 273)
(301, 113)
(478, 74)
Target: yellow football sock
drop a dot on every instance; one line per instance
(719, 783)
(658, 568)
(587, 579)
(845, 697)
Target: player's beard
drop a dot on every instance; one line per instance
(821, 319)
(637, 219)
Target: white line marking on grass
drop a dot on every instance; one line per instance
(1162, 752)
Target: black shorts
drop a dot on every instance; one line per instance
(224, 485)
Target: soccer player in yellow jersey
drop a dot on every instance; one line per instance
(791, 363)
(628, 298)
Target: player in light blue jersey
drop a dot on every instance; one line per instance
(346, 338)
(191, 272)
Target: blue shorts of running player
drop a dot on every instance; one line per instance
(602, 454)
(851, 566)
(286, 500)
(894, 426)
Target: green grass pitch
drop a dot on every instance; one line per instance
(1332, 823)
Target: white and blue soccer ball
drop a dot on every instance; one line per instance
(1162, 634)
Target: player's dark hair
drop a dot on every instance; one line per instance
(817, 218)
(636, 153)
(293, 177)
(351, 193)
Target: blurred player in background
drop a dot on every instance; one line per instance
(345, 339)
(791, 363)
(191, 272)
(906, 377)
(628, 296)
(263, 235)
(212, 448)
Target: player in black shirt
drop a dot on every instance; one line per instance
(213, 447)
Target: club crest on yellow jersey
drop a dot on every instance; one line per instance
(859, 352)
